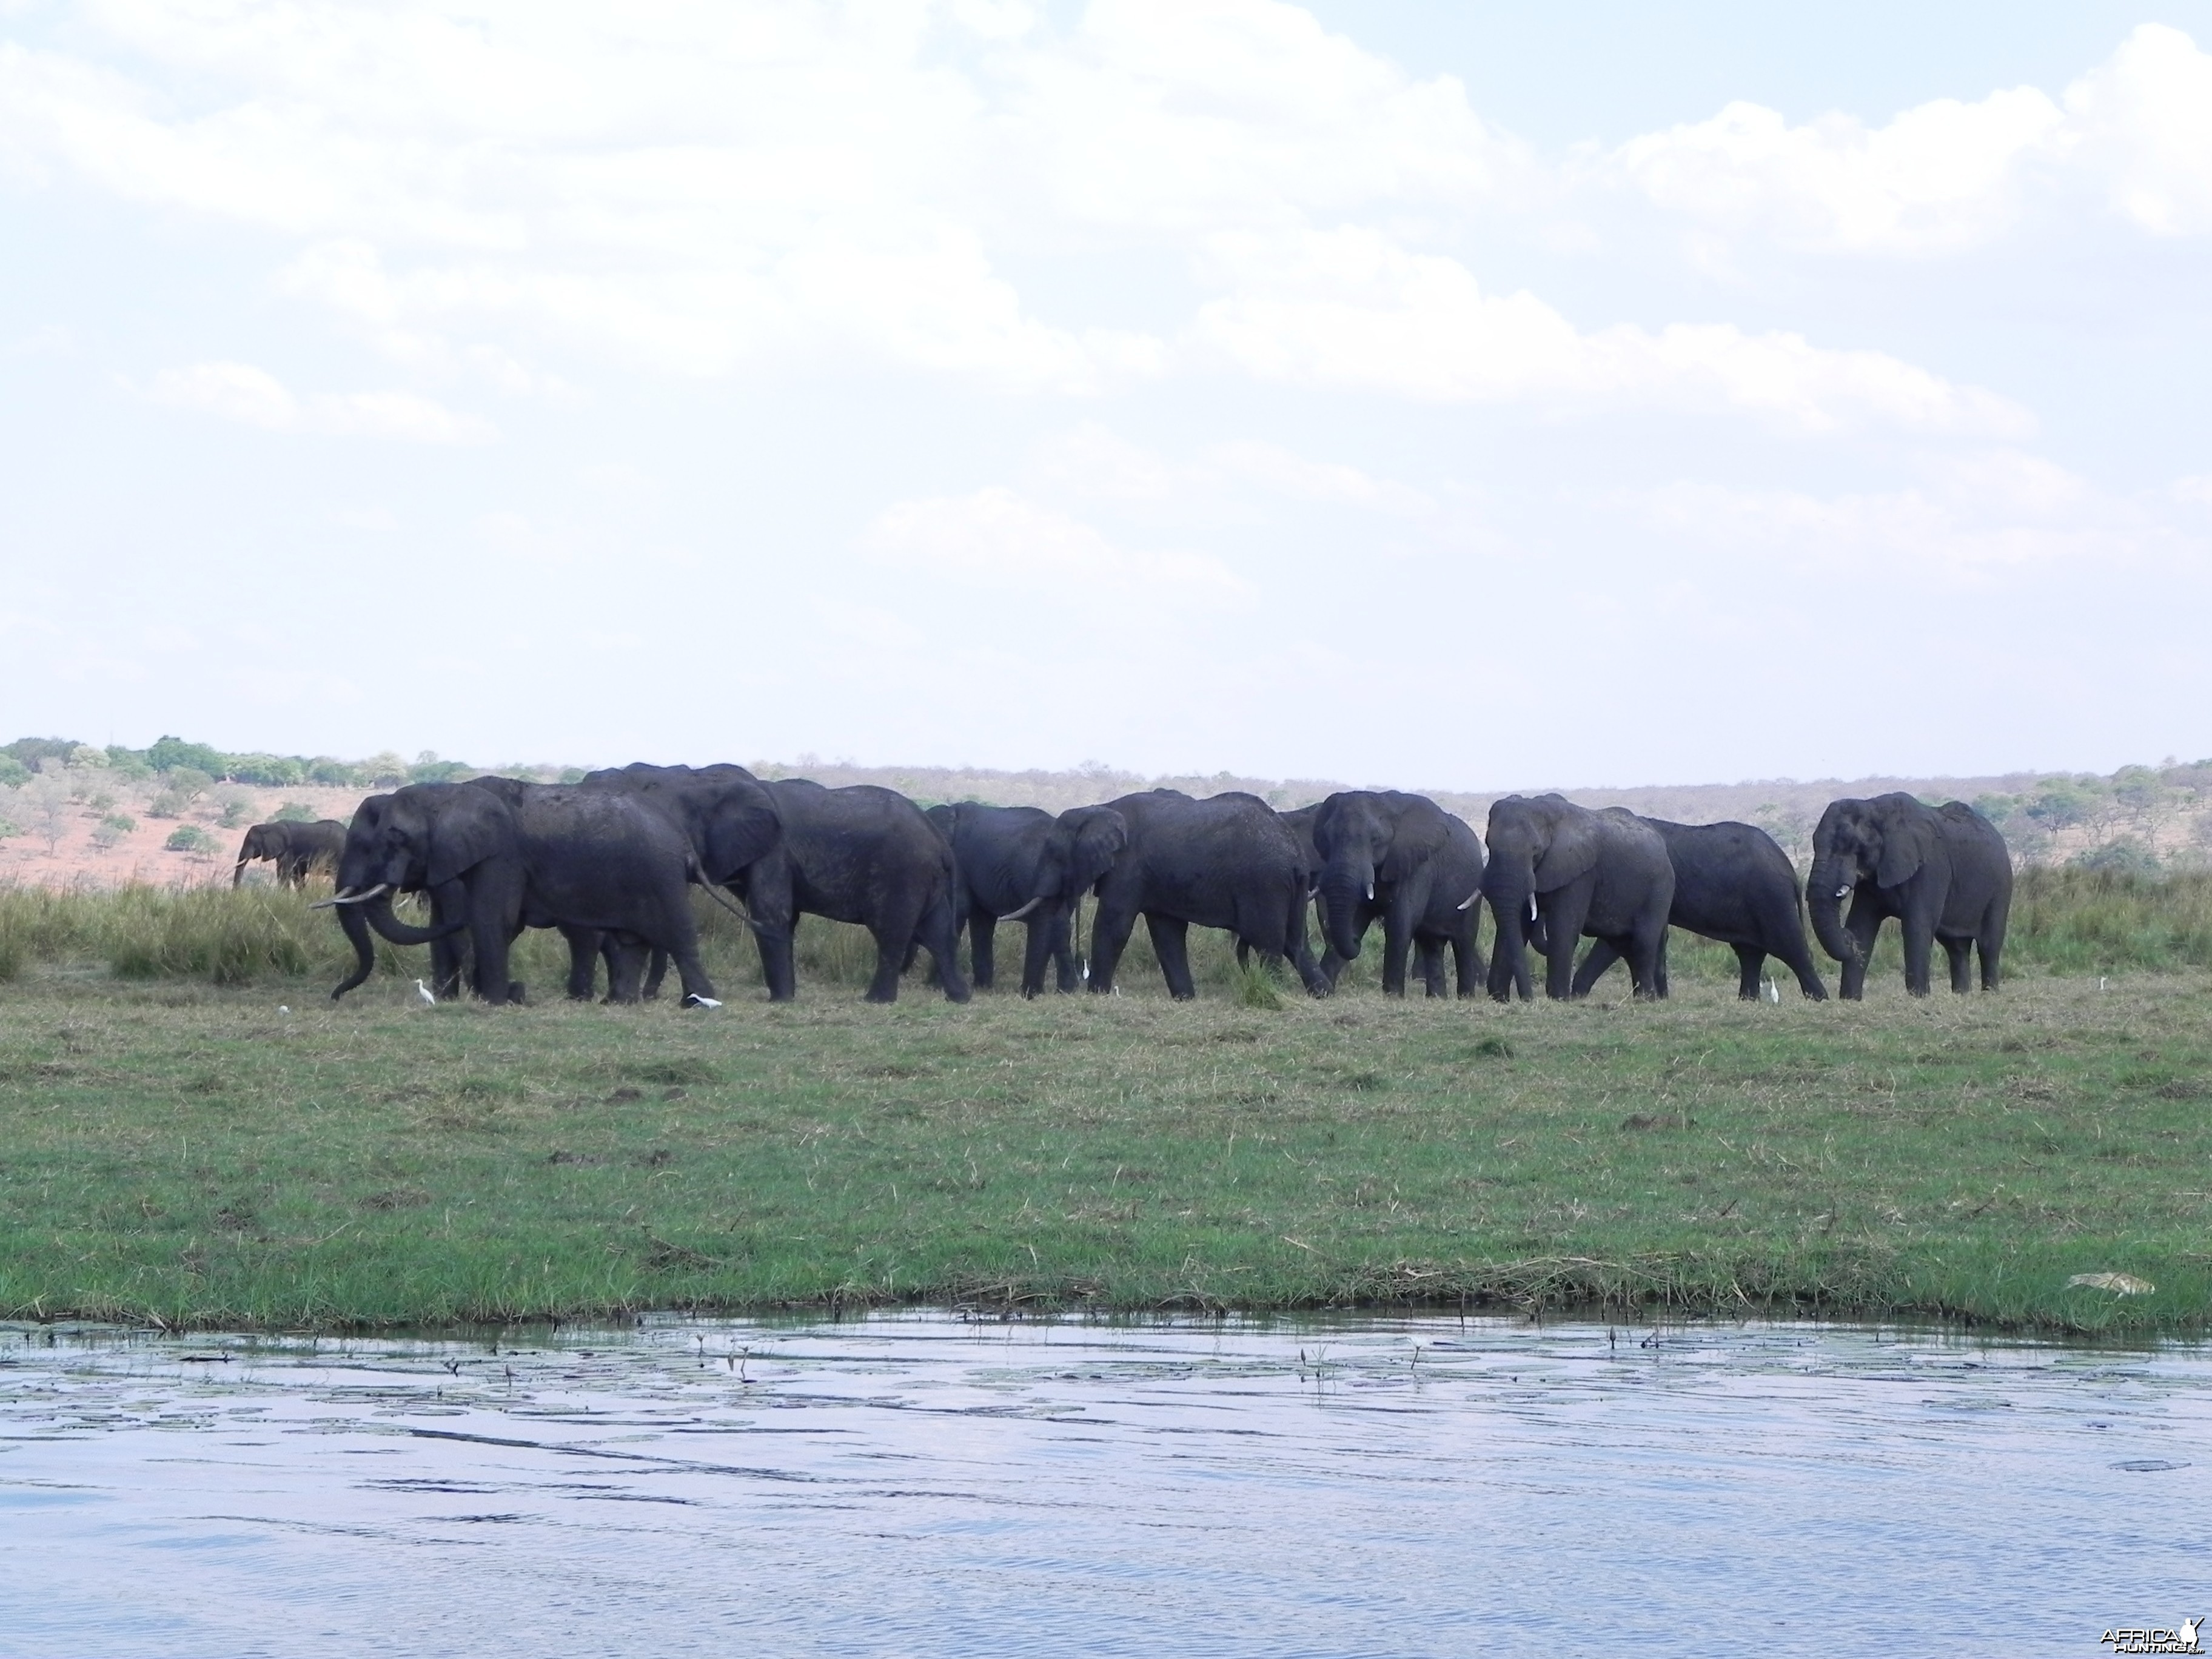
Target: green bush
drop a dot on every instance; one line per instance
(167, 805)
(12, 772)
(292, 812)
(169, 754)
(8, 828)
(112, 828)
(189, 838)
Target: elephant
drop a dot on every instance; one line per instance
(498, 855)
(730, 821)
(863, 854)
(1022, 864)
(457, 842)
(1227, 862)
(1404, 859)
(1944, 872)
(1734, 883)
(1569, 871)
(606, 862)
(297, 850)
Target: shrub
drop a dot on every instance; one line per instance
(237, 809)
(112, 828)
(2125, 856)
(189, 781)
(10, 828)
(101, 800)
(292, 812)
(189, 838)
(167, 805)
(12, 772)
(169, 754)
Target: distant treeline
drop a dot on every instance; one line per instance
(21, 759)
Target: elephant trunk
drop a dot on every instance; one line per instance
(237, 870)
(364, 949)
(1510, 893)
(1832, 879)
(381, 918)
(1342, 887)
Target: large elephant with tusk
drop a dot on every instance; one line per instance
(298, 850)
(1022, 864)
(1944, 873)
(1228, 861)
(496, 856)
(1401, 860)
(456, 843)
(1558, 871)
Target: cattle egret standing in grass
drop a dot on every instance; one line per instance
(423, 992)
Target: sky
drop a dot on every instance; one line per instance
(1464, 395)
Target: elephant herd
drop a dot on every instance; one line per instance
(609, 862)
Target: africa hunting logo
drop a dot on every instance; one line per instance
(2182, 1638)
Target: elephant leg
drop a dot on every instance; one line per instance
(625, 968)
(585, 945)
(1751, 973)
(982, 950)
(656, 972)
(1961, 953)
(1989, 943)
(1808, 976)
(1563, 922)
(1111, 924)
(1863, 924)
(489, 941)
(894, 929)
(1063, 953)
(777, 971)
(1037, 950)
(1171, 944)
(1597, 962)
(1429, 961)
(1397, 940)
(1919, 951)
(940, 931)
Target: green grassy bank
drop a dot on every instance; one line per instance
(175, 1150)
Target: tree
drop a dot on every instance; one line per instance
(166, 754)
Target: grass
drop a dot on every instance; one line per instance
(174, 1148)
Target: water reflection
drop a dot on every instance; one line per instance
(914, 1483)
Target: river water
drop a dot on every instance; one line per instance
(919, 1484)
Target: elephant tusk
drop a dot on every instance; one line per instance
(1016, 916)
(1371, 892)
(1532, 906)
(1845, 891)
(350, 897)
(1467, 904)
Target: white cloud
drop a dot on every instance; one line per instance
(254, 397)
(1277, 470)
(1350, 308)
(997, 540)
(2146, 121)
(1937, 178)
(1947, 176)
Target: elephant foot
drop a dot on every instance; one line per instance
(514, 995)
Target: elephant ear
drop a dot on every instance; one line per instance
(944, 817)
(1324, 827)
(1101, 834)
(742, 829)
(465, 830)
(1570, 852)
(1907, 842)
(1419, 837)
